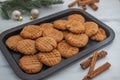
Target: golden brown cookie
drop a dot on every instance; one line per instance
(100, 35)
(12, 41)
(77, 40)
(91, 28)
(45, 26)
(76, 17)
(75, 27)
(26, 47)
(67, 50)
(31, 32)
(50, 58)
(30, 64)
(60, 24)
(54, 33)
(46, 44)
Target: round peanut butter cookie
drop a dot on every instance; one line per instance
(30, 64)
(91, 28)
(46, 44)
(76, 17)
(60, 24)
(77, 40)
(12, 41)
(45, 26)
(50, 58)
(75, 27)
(100, 35)
(67, 50)
(54, 33)
(26, 47)
(31, 32)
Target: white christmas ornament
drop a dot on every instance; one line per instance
(34, 13)
(16, 15)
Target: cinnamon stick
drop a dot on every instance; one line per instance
(73, 3)
(100, 69)
(83, 6)
(78, 3)
(85, 64)
(88, 2)
(90, 72)
(93, 6)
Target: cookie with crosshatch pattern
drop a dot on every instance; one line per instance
(31, 32)
(50, 58)
(30, 64)
(76, 17)
(100, 35)
(75, 27)
(26, 47)
(60, 24)
(77, 40)
(45, 44)
(12, 42)
(67, 50)
(45, 26)
(54, 33)
(91, 28)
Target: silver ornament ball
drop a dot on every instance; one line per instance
(16, 14)
(35, 13)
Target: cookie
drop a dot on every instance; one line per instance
(45, 26)
(60, 24)
(50, 58)
(12, 41)
(100, 35)
(91, 28)
(26, 47)
(45, 44)
(77, 40)
(75, 27)
(54, 33)
(30, 64)
(76, 17)
(31, 32)
(67, 50)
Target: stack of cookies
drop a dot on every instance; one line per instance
(47, 43)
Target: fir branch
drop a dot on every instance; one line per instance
(4, 14)
(25, 5)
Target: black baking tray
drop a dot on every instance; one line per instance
(13, 57)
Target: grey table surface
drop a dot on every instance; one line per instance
(108, 13)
